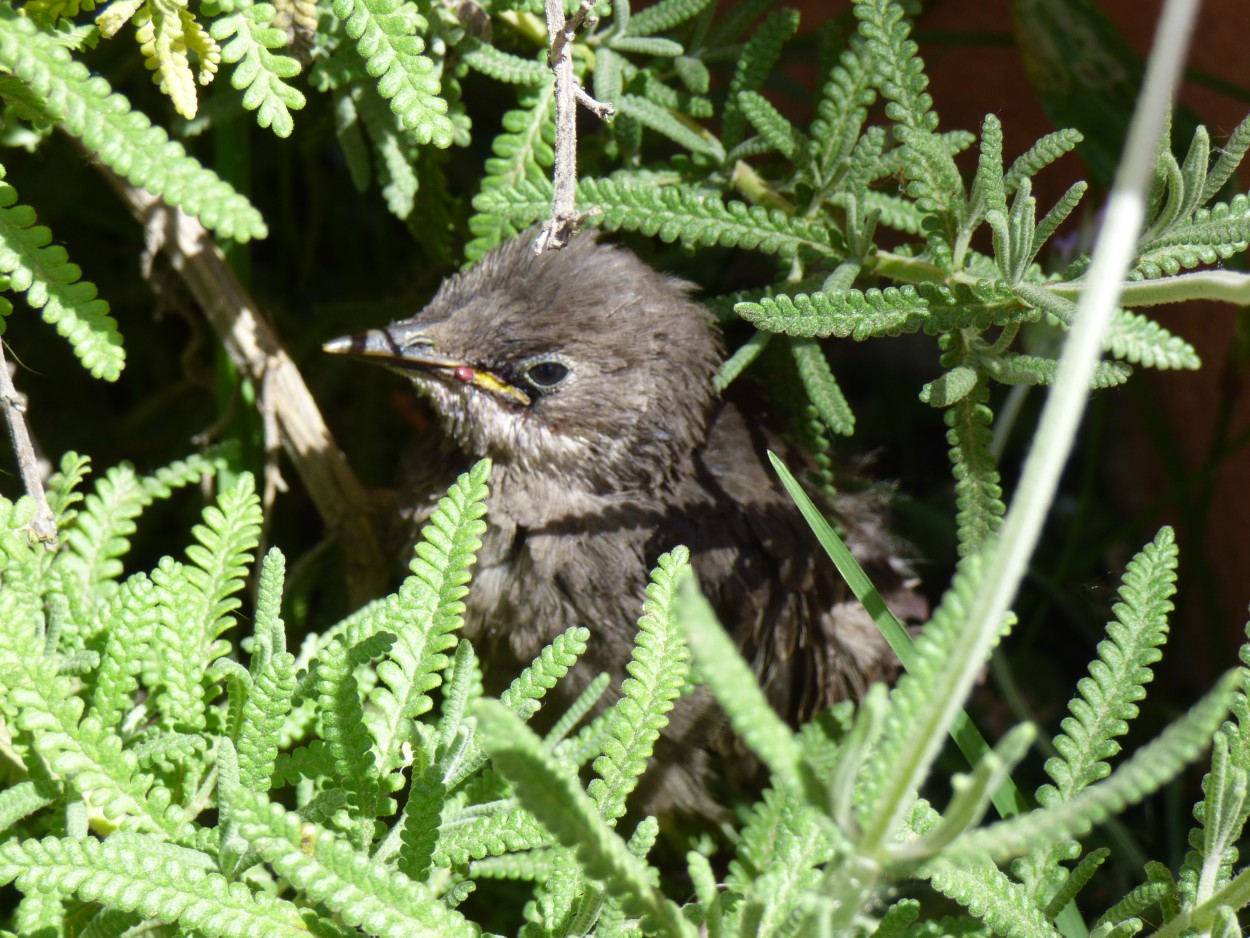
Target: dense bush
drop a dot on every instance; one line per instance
(364, 784)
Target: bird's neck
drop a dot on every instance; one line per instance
(533, 498)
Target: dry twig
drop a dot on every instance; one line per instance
(43, 525)
(565, 219)
(258, 354)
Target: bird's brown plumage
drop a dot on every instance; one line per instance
(629, 455)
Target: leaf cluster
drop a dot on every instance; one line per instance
(333, 791)
(366, 784)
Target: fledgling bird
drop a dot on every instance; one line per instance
(586, 376)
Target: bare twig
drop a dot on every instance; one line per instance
(258, 354)
(598, 108)
(565, 219)
(266, 402)
(43, 525)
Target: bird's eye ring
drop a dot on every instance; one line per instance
(546, 374)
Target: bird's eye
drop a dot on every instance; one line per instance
(546, 375)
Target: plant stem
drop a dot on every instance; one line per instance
(43, 525)
(1009, 554)
(1228, 286)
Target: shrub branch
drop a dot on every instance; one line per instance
(259, 355)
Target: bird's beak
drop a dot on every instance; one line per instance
(414, 353)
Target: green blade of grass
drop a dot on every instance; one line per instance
(1008, 799)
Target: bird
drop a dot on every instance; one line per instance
(586, 377)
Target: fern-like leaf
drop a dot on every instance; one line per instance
(755, 63)
(853, 313)
(978, 489)
(657, 670)
(272, 673)
(524, 695)
(779, 857)
(897, 213)
(1145, 772)
(475, 833)
(1055, 217)
(1075, 881)
(662, 121)
(523, 151)
(357, 889)
(843, 108)
(1211, 235)
(425, 613)
(249, 40)
(100, 534)
(122, 138)
(129, 874)
(663, 16)
(1137, 901)
(167, 31)
(772, 125)
(386, 36)
(197, 600)
(42, 271)
(502, 66)
(20, 801)
(673, 213)
(1231, 155)
(1221, 816)
(1013, 368)
(64, 487)
(822, 387)
(88, 756)
(990, 897)
(1109, 695)
(901, 72)
(394, 152)
(700, 219)
(556, 798)
(1037, 157)
(933, 179)
(1143, 341)
(347, 739)
(131, 626)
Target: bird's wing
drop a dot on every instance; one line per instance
(791, 613)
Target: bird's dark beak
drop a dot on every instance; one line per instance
(384, 347)
(415, 353)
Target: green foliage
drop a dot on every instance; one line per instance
(264, 696)
(369, 784)
(523, 153)
(122, 138)
(502, 66)
(385, 33)
(978, 492)
(249, 41)
(1137, 339)
(42, 271)
(822, 387)
(851, 314)
(196, 600)
(394, 153)
(759, 55)
(657, 672)
(488, 797)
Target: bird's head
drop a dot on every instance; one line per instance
(582, 363)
